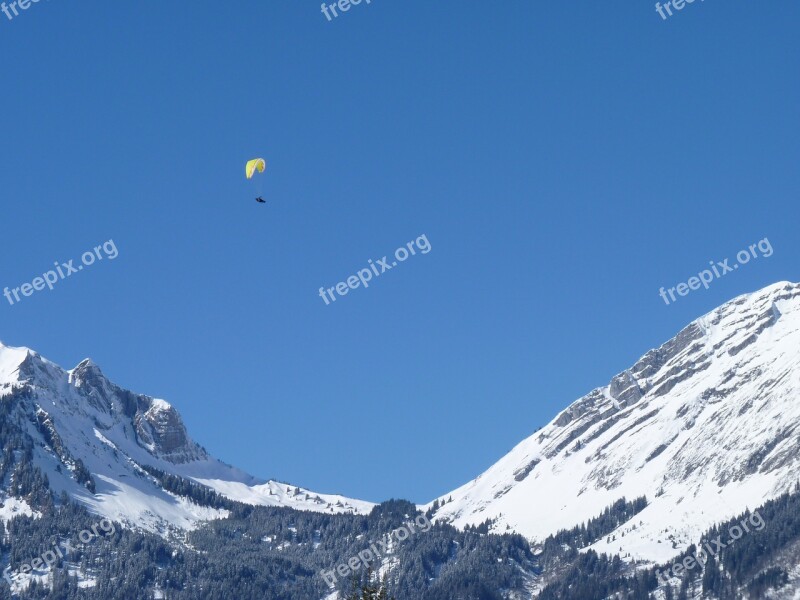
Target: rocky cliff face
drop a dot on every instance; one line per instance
(157, 425)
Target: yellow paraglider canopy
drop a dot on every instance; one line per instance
(257, 164)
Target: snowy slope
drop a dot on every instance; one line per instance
(79, 415)
(705, 426)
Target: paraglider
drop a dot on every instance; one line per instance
(256, 165)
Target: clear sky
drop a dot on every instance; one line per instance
(564, 159)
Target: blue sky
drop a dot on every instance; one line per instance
(564, 159)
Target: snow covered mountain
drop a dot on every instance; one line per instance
(92, 438)
(705, 427)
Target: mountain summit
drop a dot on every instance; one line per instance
(706, 426)
(102, 445)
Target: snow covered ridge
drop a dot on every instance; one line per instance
(90, 438)
(706, 427)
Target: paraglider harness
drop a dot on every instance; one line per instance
(260, 199)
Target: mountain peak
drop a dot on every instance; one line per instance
(88, 374)
(95, 441)
(10, 360)
(704, 426)
(86, 364)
